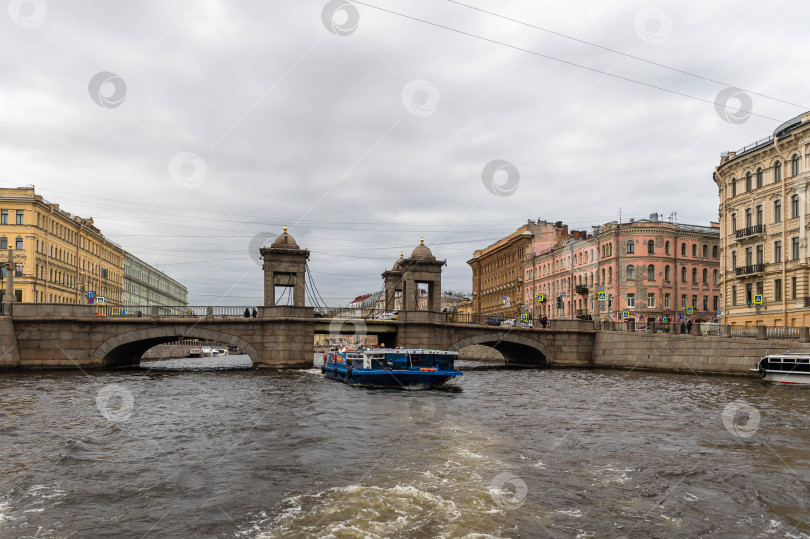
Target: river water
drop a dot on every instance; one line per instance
(203, 448)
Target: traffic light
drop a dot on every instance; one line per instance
(559, 303)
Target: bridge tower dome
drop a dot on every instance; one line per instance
(421, 268)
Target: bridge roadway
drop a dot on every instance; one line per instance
(71, 336)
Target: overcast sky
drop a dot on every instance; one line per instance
(192, 131)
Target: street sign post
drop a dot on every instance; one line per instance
(689, 310)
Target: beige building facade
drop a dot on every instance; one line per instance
(763, 211)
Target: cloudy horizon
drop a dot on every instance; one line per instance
(193, 131)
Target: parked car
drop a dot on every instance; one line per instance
(386, 316)
(508, 323)
(494, 321)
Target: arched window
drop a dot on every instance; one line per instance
(714, 252)
(666, 248)
(631, 247)
(705, 276)
(694, 275)
(603, 276)
(747, 182)
(683, 249)
(610, 275)
(733, 187)
(683, 274)
(794, 165)
(631, 272)
(759, 177)
(694, 250)
(667, 274)
(705, 251)
(651, 247)
(650, 272)
(714, 276)
(794, 206)
(777, 172)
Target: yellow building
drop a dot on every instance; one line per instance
(764, 228)
(57, 257)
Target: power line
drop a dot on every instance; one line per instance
(640, 59)
(566, 62)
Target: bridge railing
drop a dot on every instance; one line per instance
(184, 311)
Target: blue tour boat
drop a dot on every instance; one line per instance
(398, 367)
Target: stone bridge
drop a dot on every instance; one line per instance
(71, 336)
(47, 335)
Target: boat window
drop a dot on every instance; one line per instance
(396, 361)
(444, 363)
(421, 360)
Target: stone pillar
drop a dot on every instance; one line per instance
(9, 297)
(153, 312)
(725, 330)
(804, 334)
(630, 324)
(762, 333)
(284, 265)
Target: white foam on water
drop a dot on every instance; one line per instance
(570, 512)
(689, 497)
(4, 511)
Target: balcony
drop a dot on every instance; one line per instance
(581, 289)
(749, 231)
(750, 270)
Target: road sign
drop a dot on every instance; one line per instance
(665, 319)
(100, 300)
(625, 314)
(91, 301)
(719, 313)
(91, 293)
(758, 299)
(541, 297)
(524, 316)
(562, 295)
(689, 310)
(602, 296)
(680, 316)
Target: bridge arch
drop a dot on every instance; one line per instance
(516, 349)
(126, 349)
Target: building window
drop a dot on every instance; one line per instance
(716, 303)
(651, 300)
(20, 217)
(667, 273)
(3, 217)
(734, 295)
(760, 254)
(18, 244)
(683, 249)
(748, 222)
(714, 276)
(666, 300)
(683, 301)
(631, 247)
(650, 272)
(715, 252)
(794, 165)
(631, 301)
(733, 187)
(683, 274)
(705, 276)
(18, 269)
(794, 206)
(777, 252)
(733, 223)
(777, 211)
(694, 275)
(794, 248)
(749, 256)
(733, 259)
(759, 177)
(777, 172)
(759, 214)
(3, 243)
(610, 275)
(705, 303)
(694, 302)
(694, 250)
(777, 289)
(651, 247)
(793, 292)
(666, 248)
(631, 272)
(747, 182)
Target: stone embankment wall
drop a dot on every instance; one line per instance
(478, 352)
(685, 353)
(9, 354)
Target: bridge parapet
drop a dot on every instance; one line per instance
(51, 310)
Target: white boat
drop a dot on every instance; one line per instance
(220, 352)
(784, 368)
(207, 351)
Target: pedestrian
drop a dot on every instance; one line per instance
(683, 327)
(247, 313)
(255, 312)
(543, 321)
(689, 327)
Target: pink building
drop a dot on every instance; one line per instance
(648, 269)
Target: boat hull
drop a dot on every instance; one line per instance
(389, 378)
(787, 378)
